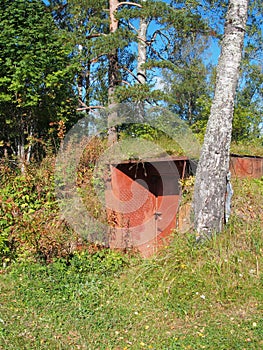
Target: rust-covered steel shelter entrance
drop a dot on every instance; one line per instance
(246, 166)
(142, 198)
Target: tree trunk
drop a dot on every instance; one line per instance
(21, 153)
(80, 88)
(213, 167)
(113, 74)
(141, 60)
(87, 84)
(142, 47)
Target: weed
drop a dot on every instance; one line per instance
(189, 296)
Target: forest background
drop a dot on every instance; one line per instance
(59, 62)
(62, 61)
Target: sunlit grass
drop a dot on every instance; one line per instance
(250, 148)
(190, 296)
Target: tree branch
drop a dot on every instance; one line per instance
(129, 3)
(85, 107)
(89, 107)
(132, 74)
(125, 82)
(96, 35)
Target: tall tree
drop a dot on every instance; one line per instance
(212, 171)
(35, 76)
(157, 26)
(114, 75)
(187, 80)
(87, 25)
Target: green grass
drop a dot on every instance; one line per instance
(190, 296)
(250, 148)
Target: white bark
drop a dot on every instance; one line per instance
(142, 47)
(21, 154)
(141, 60)
(210, 186)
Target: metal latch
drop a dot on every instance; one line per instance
(157, 215)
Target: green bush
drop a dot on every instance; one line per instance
(29, 218)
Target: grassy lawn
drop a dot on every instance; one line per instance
(190, 296)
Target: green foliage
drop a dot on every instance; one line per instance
(188, 297)
(141, 131)
(247, 122)
(49, 48)
(29, 217)
(247, 118)
(189, 84)
(88, 23)
(146, 132)
(100, 262)
(138, 93)
(248, 147)
(36, 74)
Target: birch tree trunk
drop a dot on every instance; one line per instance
(213, 167)
(141, 60)
(142, 49)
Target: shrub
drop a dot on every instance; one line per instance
(29, 218)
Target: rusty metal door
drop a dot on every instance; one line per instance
(131, 207)
(142, 204)
(167, 201)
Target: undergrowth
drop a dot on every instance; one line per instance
(250, 148)
(189, 296)
(30, 223)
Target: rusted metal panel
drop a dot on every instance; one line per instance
(246, 166)
(142, 200)
(130, 211)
